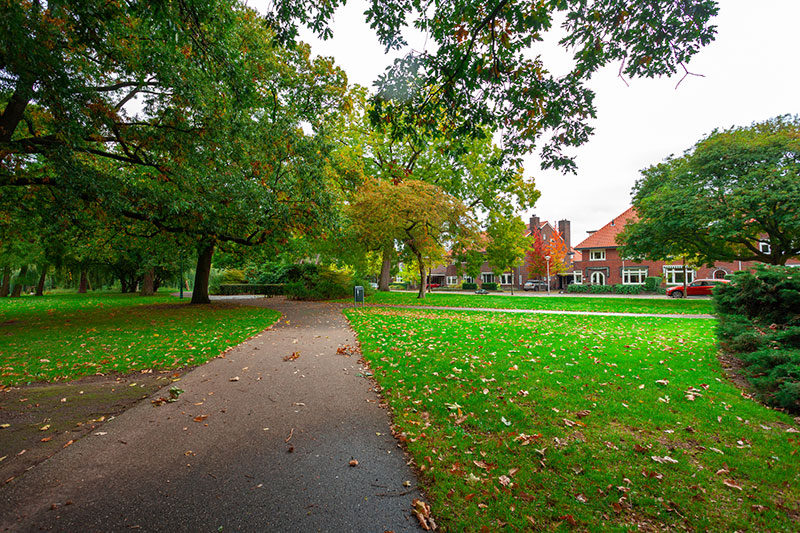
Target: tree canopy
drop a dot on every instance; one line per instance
(482, 68)
(733, 196)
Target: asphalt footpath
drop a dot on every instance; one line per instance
(283, 433)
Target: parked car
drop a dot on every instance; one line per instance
(432, 286)
(535, 285)
(699, 287)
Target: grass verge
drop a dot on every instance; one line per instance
(562, 303)
(59, 338)
(576, 422)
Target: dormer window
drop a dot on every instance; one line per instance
(597, 255)
(764, 247)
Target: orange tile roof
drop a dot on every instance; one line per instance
(605, 237)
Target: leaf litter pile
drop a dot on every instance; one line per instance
(580, 422)
(59, 338)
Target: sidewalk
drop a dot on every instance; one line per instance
(255, 443)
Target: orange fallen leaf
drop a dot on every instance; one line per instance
(200, 418)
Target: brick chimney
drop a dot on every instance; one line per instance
(534, 222)
(564, 230)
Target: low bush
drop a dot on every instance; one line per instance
(760, 324)
(652, 283)
(271, 289)
(489, 286)
(601, 289)
(324, 284)
(469, 286)
(398, 286)
(577, 288)
(627, 289)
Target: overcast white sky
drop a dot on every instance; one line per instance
(750, 74)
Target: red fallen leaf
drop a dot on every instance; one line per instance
(46, 439)
(638, 448)
(617, 507)
(569, 518)
(353, 462)
(68, 443)
(200, 418)
(469, 496)
(524, 496)
(292, 357)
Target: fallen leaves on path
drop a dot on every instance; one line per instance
(423, 513)
(292, 357)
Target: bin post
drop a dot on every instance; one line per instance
(358, 295)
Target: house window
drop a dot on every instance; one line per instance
(673, 275)
(597, 255)
(452, 280)
(487, 277)
(577, 277)
(764, 247)
(633, 275)
(505, 279)
(598, 278)
(469, 279)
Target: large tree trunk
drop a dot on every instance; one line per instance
(40, 285)
(512, 282)
(386, 270)
(423, 278)
(4, 287)
(84, 283)
(202, 274)
(17, 290)
(148, 288)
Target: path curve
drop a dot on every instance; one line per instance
(267, 452)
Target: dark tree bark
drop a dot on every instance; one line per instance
(84, 283)
(6, 282)
(148, 288)
(423, 276)
(202, 274)
(17, 290)
(40, 285)
(386, 270)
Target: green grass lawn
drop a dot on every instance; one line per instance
(572, 422)
(56, 338)
(563, 303)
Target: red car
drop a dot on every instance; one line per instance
(699, 287)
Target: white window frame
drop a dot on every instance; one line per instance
(506, 279)
(597, 255)
(764, 247)
(469, 279)
(634, 275)
(673, 275)
(487, 277)
(577, 277)
(600, 274)
(451, 280)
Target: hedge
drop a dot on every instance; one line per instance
(489, 286)
(267, 289)
(652, 283)
(577, 288)
(759, 322)
(469, 286)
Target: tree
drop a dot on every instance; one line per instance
(420, 215)
(482, 68)
(507, 243)
(554, 248)
(733, 196)
(186, 117)
(470, 169)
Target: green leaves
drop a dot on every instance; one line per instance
(732, 191)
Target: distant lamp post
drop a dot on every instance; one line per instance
(547, 263)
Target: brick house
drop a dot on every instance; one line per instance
(600, 262)
(449, 276)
